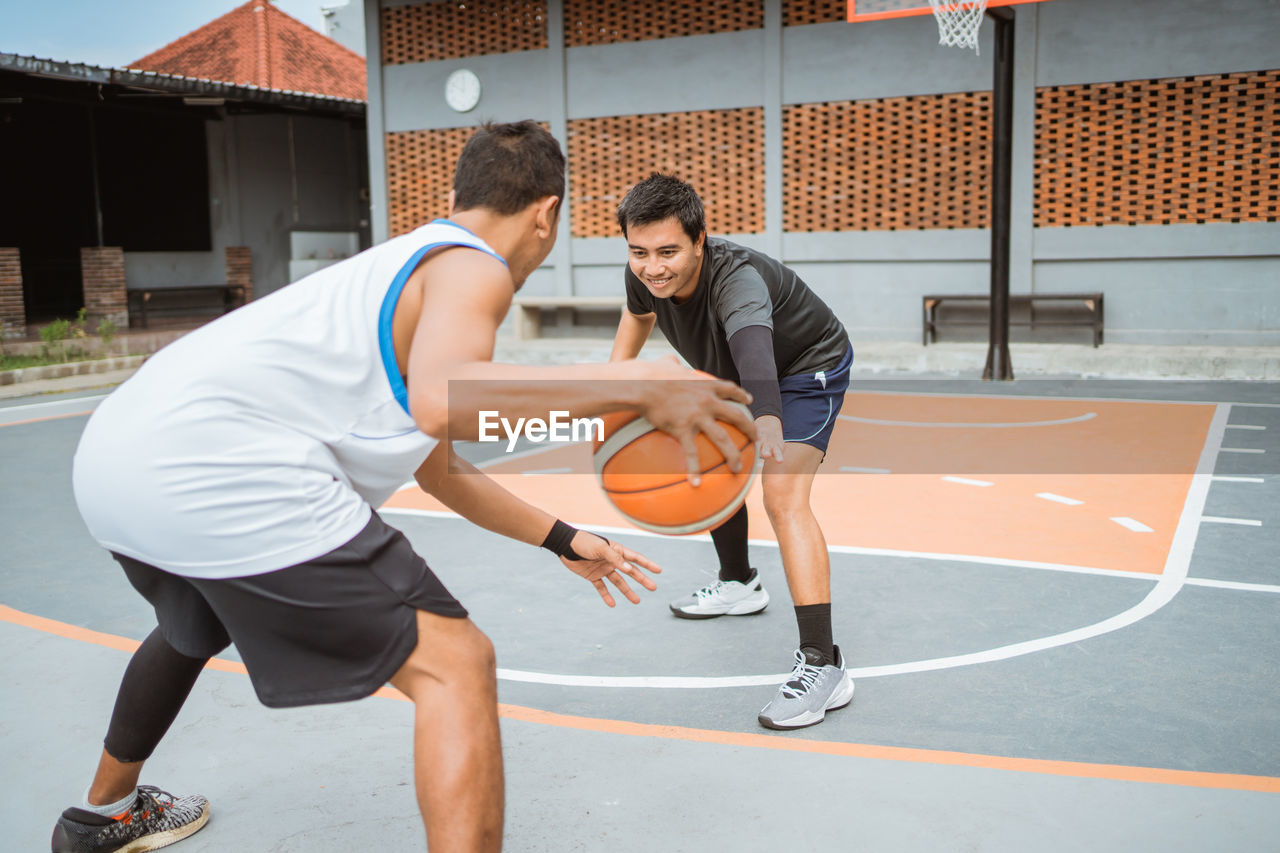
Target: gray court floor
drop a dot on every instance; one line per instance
(918, 762)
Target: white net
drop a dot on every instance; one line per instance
(959, 21)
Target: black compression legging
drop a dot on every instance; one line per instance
(730, 540)
(155, 684)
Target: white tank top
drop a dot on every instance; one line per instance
(264, 438)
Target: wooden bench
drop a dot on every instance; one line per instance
(1081, 309)
(529, 310)
(185, 300)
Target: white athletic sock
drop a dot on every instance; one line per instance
(110, 809)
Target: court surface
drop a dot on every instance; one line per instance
(1060, 601)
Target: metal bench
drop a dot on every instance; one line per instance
(529, 316)
(185, 300)
(1083, 310)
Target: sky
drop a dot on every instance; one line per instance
(113, 33)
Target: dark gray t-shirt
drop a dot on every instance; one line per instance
(740, 287)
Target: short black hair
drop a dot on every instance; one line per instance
(507, 167)
(659, 197)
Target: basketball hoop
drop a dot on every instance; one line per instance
(958, 21)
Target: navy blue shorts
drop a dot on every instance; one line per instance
(811, 401)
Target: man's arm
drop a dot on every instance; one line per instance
(461, 487)
(465, 294)
(633, 331)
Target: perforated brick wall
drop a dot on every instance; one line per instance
(720, 152)
(448, 30)
(588, 22)
(420, 174)
(1159, 152)
(13, 310)
(887, 164)
(799, 12)
(102, 274)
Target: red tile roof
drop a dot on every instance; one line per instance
(258, 44)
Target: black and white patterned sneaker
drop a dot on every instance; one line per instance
(156, 820)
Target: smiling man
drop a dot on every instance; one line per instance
(739, 314)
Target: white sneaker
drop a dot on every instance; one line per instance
(808, 694)
(723, 598)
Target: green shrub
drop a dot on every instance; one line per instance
(53, 336)
(107, 331)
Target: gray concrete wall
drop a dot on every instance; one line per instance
(269, 175)
(1201, 284)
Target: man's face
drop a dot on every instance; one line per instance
(665, 260)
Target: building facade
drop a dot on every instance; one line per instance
(1146, 145)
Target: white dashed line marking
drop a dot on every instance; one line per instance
(852, 469)
(1242, 450)
(536, 472)
(1225, 479)
(965, 481)
(1244, 426)
(1050, 496)
(1132, 524)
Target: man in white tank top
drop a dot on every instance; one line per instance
(235, 476)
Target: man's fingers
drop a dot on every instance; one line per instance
(732, 391)
(617, 580)
(604, 592)
(737, 415)
(639, 559)
(691, 459)
(720, 438)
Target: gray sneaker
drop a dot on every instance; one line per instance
(723, 598)
(808, 694)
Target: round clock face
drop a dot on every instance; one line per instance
(462, 90)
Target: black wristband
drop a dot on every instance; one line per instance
(559, 541)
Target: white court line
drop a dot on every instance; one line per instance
(1244, 426)
(1243, 587)
(73, 401)
(851, 469)
(1216, 519)
(965, 481)
(1241, 450)
(1050, 496)
(979, 425)
(1226, 479)
(1132, 524)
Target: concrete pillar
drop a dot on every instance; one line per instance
(13, 311)
(240, 268)
(102, 275)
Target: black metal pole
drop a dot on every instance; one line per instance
(998, 364)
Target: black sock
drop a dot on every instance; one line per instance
(155, 684)
(730, 540)
(814, 621)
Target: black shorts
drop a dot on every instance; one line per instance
(331, 629)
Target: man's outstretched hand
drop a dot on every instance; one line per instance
(603, 560)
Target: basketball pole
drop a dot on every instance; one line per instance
(999, 367)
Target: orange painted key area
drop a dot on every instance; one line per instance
(1035, 479)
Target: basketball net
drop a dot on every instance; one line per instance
(958, 21)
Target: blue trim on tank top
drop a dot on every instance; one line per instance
(386, 345)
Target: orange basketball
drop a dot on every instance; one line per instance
(642, 471)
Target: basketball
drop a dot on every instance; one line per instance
(643, 473)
